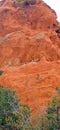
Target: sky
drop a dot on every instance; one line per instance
(54, 4)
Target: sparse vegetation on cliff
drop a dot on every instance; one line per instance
(25, 2)
(58, 90)
(1, 72)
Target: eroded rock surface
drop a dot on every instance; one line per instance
(30, 51)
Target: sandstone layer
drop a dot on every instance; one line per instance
(30, 52)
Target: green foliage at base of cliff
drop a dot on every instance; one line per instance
(13, 115)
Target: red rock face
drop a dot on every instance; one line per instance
(30, 52)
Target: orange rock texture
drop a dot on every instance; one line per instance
(30, 52)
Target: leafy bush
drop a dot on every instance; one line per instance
(1, 71)
(58, 90)
(51, 119)
(53, 113)
(13, 115)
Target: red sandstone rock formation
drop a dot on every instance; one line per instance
(30, 51)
